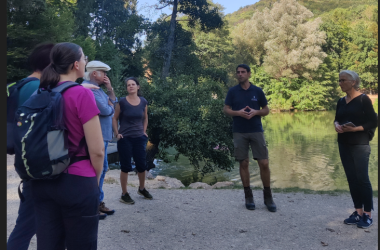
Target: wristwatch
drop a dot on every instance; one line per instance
(109, 91)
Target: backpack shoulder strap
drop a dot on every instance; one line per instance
(64, 86)
(19, 84)
(74, 158)
(10, 85)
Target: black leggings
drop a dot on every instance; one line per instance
(355, 160)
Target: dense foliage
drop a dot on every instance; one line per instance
(317, 7)
(352, 42)
(187, 116)
(297, 56)
(105, 29)
(295, 49)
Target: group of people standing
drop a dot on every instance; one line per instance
(131, 113)
(355, 121)
(64, 212)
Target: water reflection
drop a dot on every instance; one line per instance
(303, 153)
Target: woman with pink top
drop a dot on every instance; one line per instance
(66, 208)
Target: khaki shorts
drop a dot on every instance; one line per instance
(257, 142)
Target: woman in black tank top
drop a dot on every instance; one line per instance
(132, 112)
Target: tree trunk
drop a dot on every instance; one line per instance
(170, 43)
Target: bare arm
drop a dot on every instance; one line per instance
(94, 140)
(115, 119)
(146, 120)
(338, 128)
(262, 112)
(342, 128)
(228, 111)
(351, 129)
(89, 86)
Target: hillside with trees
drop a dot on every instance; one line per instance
(317, 7)
(187, 61)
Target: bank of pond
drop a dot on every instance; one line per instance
(303, 154)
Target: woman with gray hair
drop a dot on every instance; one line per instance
(354, 118)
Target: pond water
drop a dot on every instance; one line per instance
(303, 153)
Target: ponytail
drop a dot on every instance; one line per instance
(50, 77)
(62, 59)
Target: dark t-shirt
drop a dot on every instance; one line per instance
(132, 118)
(360, 112)
(238, 98)
(27, 90)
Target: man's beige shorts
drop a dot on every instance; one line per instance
(257, 142)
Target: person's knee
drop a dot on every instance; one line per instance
(263, 164)
(244, 163)
(123, 171)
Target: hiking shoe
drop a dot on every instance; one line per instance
(353, 219)
(268, 200)
(249, 203)
(102, 216)
(365, 221)
(126, 199)
(104, 209)
(145, 193)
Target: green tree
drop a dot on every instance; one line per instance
(336, 26)
(215, 52)
(30, 23)
(88, 46)
(114, 26)
(300, 93)
(361, 56)
(184, 60)
(83, 16)
(284, 40)
(196, 11)
(187, 115)
(352, 42)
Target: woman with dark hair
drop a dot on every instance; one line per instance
(25, 227)
(132, 111)
(354, 117)
(66, 208)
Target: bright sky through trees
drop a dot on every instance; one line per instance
(230, 6)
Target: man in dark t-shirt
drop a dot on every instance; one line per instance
(246, 103)
(25, 227)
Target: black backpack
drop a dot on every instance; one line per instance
(13, 90)
(40, 136)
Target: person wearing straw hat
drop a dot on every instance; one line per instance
(96, 74)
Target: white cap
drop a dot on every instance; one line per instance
(94, 66)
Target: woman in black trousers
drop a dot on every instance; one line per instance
(354, 118)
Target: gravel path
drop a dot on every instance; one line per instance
(217, 219)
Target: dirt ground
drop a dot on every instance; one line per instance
(217, 219)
